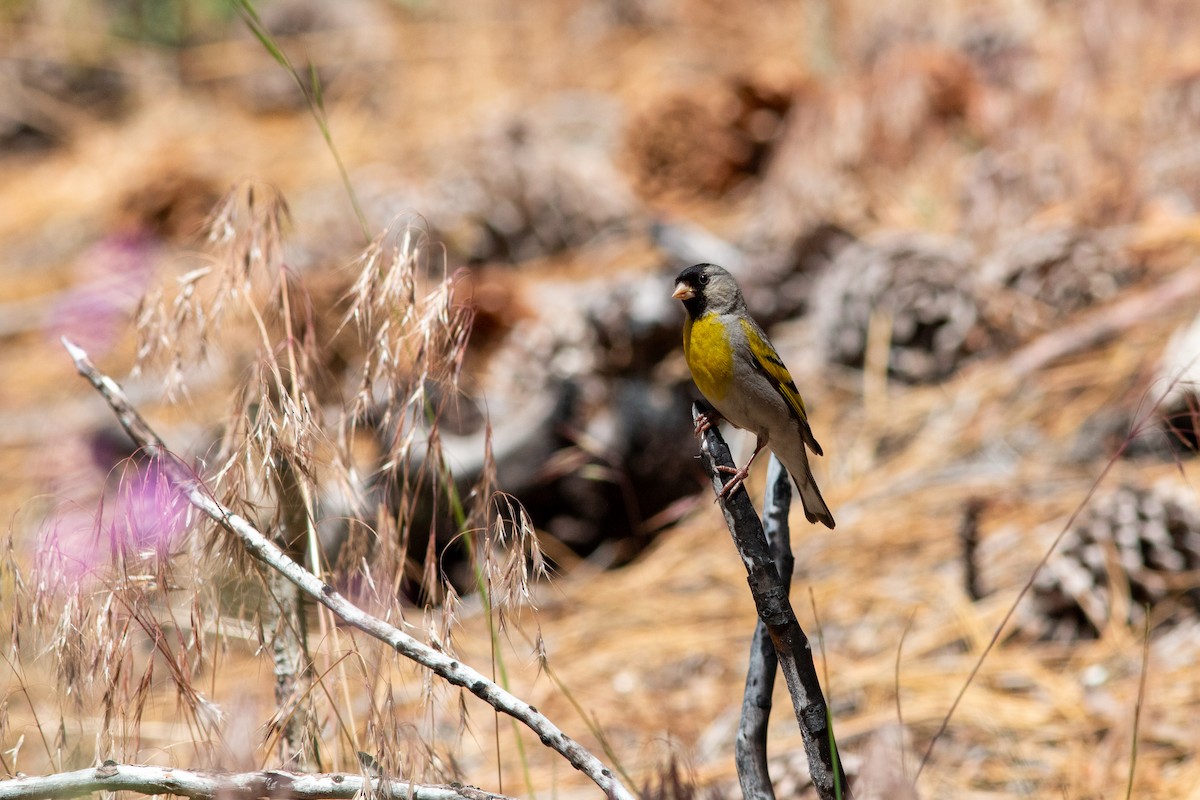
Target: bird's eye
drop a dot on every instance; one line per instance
(703, 280)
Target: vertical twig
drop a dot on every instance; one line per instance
(770, 597)
(750, 748)
(298, 742)
(899, 705)
(968, 537)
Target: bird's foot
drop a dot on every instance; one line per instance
(706, 421)
(739, 477)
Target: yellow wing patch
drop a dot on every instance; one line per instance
(769, 362)
(709, 356)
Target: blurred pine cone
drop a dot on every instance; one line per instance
(1001, 55)
(921, 284)
(1148, 540)
(533, 184)
(1003, 188)
(1170, 165)
(1032, 278)
(706, 142)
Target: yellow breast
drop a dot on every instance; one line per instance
(709, 357)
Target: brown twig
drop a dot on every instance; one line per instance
(968, 538)
(771, 599)
(263, 549)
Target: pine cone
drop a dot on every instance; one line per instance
(1002, 57)
(922, 283)
(1032, 278)
(1004, 188)
(1148, 539)
(533, 185)
(707, 142)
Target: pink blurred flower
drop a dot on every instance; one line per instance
(144, 516)
(109, 281)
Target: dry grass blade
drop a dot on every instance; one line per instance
(1137, 708)
(313, 97)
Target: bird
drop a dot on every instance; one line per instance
(739, 372)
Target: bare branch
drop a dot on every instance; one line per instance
(771, 599)
(112, 777)
(750, 746)
(263, 549)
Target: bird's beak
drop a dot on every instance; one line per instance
(683, 292)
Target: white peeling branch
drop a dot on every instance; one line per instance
(259, 546)
(111, 777)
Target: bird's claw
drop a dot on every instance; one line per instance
(704, 422)
(739, 477)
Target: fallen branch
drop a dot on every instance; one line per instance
(1104, 323)
(775, 611)
(750, 747)
(112, 777)
(261, 548)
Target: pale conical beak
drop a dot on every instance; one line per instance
(683, 292)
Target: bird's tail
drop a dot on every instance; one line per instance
(814, 505)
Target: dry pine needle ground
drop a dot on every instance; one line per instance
(654, 653)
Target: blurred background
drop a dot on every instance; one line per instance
(970, 227)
